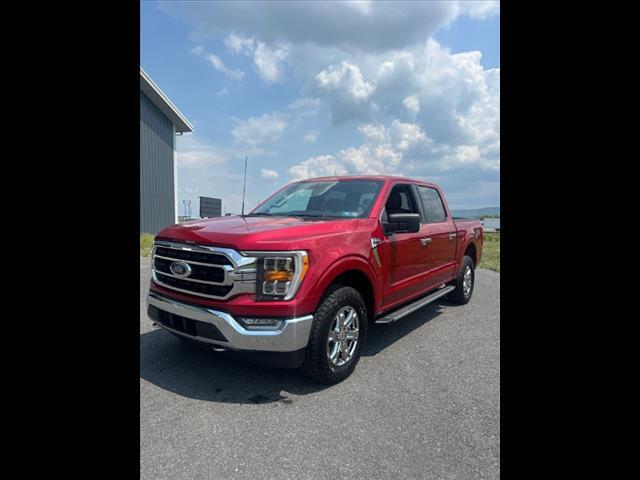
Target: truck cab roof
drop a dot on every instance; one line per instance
(383, 178)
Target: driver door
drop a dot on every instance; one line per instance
(404, 251)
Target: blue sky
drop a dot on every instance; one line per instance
(307, 89)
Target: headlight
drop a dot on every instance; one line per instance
(279, 274)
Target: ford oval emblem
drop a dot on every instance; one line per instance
(180, 269)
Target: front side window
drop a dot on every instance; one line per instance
(335, 199)
(401, 200)
(432, 205)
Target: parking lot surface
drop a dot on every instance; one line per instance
(424, 402)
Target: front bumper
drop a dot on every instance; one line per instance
(223, 330)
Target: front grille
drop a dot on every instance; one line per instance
(213, 271)
(186, 255)
(198, 272)
(201, 288)
(195, 328)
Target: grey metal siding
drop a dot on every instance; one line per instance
(157, 201)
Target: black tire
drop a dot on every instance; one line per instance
(317, 364)
(458, 296)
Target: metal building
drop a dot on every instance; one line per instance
(160, 121)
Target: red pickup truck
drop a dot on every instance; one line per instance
(299, 280)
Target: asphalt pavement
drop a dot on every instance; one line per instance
(424, 402)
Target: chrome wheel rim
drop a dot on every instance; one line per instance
(343, 336)
(467, 281)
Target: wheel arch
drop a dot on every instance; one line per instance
(472, 251)
(353, 272)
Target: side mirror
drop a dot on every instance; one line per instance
(402, 223)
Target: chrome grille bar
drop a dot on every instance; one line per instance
(239, 275)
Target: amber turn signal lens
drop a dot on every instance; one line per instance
(305, 267)
(277, 275)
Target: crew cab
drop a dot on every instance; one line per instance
(300, 280)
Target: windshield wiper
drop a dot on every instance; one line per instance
(292, 214)
(313, 215)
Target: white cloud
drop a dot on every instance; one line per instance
(479, 10)
(350, 26)
(306, 105)
(452, 97)
(373, 132)
(348, 90)
(412, 104)
(382, 152)
(222, 91)
(258, 130)
(193, 153)
(422, 110)
(269, 61)
(222, 68)
(310, 137)
(407, 135)
(321, 166)
(238, 44)
(347, 78)
(398, 148)
(217, 63)
(269, 174)
(468, 153)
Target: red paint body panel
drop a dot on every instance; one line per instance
(337, 246)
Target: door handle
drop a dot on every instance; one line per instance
(425, 241)
(452, 236)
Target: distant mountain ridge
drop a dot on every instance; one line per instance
(476, 212)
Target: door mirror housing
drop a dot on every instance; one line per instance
(402, 223)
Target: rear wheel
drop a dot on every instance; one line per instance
(464, 283)
(337, 335)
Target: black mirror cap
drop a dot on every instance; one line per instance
(402, 223)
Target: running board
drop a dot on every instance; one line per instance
(412, 307)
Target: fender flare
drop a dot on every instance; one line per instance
(470, 240)
(352, 262)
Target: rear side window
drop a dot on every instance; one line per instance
(432, 203)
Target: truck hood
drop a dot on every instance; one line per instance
(258, 233)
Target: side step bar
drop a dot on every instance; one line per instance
(412, 307)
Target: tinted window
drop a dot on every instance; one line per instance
(401, 200)
(432, 203)
(343, 198)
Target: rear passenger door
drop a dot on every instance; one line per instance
(438, 229)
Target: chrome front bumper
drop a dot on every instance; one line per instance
(292, 335)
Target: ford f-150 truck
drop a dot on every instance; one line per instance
(299, 280)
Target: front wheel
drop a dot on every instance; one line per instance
(464, 283)
(337, 335)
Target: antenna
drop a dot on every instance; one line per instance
(244, 186)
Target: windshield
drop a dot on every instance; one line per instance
(339, 199)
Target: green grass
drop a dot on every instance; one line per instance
(146, 244)
(491, 252)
